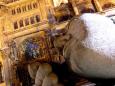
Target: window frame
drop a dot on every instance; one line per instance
(15, 25)
(32, 20)
(21, 23)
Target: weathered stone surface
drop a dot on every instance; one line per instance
(90, 49)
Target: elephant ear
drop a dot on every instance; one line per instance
(76, 28)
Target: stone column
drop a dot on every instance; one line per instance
(73, 2)
(9, 70)
(97, 5)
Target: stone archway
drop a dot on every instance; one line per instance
(26, 48)
(29, 47)
(12, 58)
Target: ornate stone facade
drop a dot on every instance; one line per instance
(21, 20)
(18, 20)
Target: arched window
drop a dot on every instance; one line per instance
(15, 25)
(37, 18)
(26, 21)
(32, 20)
(18, 10)
(35, 5)
(21, 23)
(13, 12)
(24, 8)
(29, 7)
(0, 7)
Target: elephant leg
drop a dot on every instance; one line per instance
(32, 69)
(44, 70)
(50, 80)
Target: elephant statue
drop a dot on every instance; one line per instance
(89, 45)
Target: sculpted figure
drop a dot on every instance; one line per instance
(43, 70)
(89, 45)
(32, 69)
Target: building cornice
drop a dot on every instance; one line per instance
(20, 2)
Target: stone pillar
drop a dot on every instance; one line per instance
(9, 70)
(97, 5)
(73, 2)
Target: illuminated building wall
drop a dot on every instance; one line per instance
(58, 2)
(21, 17)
